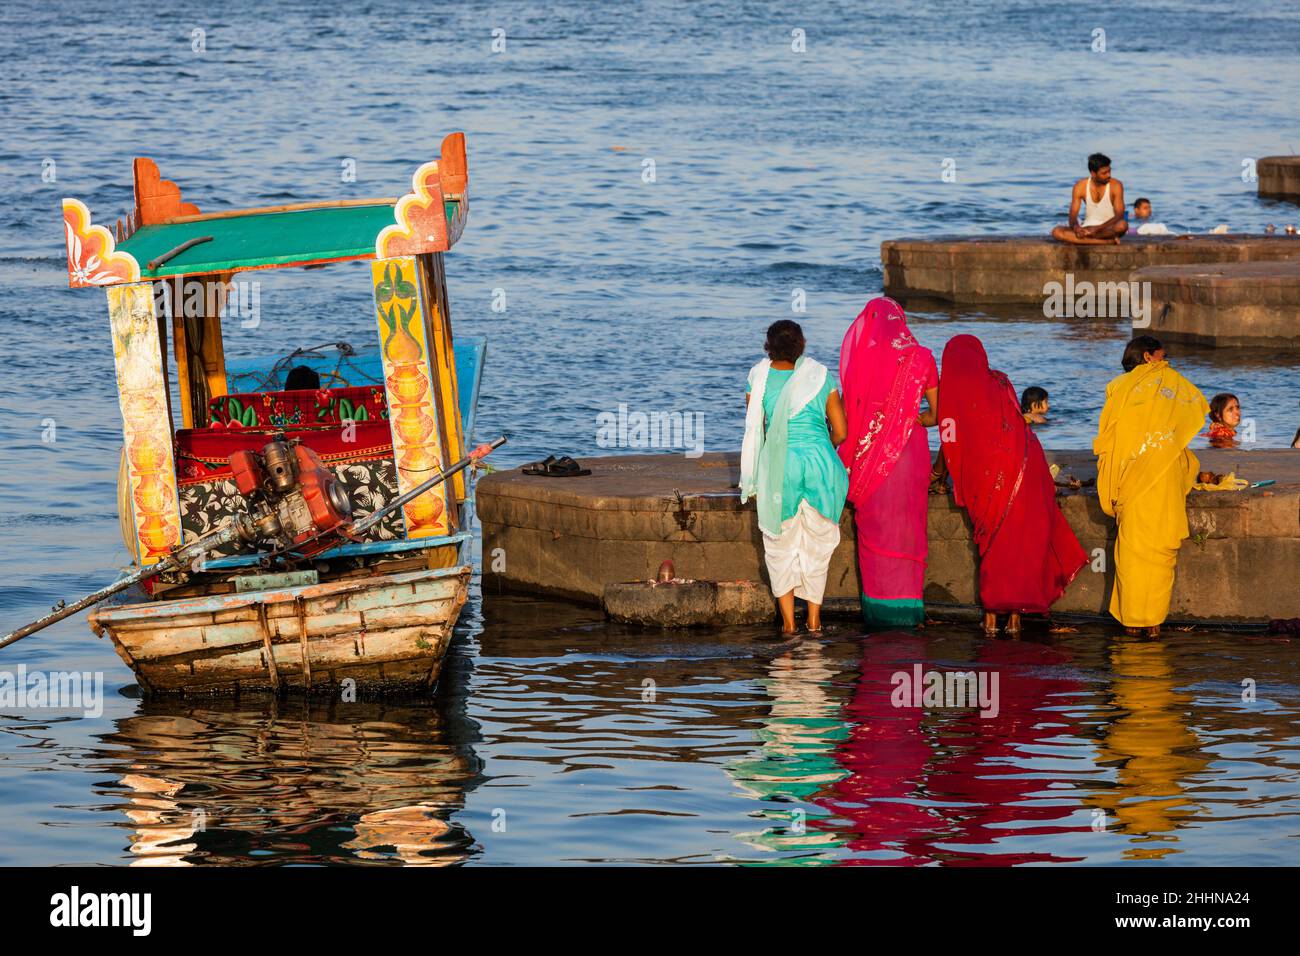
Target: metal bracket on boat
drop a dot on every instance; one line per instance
(288, 579)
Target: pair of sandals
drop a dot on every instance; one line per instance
(553, 467)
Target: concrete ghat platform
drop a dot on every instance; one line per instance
(569, 537)
(1014, 269)
(1235, 304)
(1278, 177)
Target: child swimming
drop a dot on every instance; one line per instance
(1142, 213)
(1034, 405)
(1225, 416)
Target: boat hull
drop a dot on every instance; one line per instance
(388, 633)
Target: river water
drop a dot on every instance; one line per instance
(776, 174)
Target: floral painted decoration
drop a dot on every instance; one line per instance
(93, 258)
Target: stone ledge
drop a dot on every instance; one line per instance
(1014, 269)
(1278, 177)
(613, 527)
(688, 603)
(1230, 304)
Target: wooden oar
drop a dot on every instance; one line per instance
(181, 557)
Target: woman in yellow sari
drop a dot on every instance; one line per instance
(1144, 471)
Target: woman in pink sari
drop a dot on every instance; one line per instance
(884, 374)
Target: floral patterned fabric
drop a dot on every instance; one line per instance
(304, 408)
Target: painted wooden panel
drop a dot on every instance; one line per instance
(146, 425)
(157, 199)
(420, 218)
(433, 291)
(421, 223)
(412, 397)
(93, 257)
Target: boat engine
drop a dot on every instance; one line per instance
(292, 497)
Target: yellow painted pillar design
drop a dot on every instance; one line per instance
(412, 397)
(437, 325)
(146, 423)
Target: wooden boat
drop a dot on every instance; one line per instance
(379, 610)
(380, 630)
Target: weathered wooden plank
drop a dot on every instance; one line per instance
(227, 602)
(154, 643)
(409, 615)
(161, 623)
(382, 597)
(401, 622)
(379, 597)
(401, 644)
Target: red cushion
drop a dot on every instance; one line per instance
(303, 408)
(203, 454)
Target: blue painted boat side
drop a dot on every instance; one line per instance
(459, 540)
(469, 379)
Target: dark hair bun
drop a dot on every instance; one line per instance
(785, 341)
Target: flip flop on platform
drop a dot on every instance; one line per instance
(539, 467)
(566, 467)
(552, 467)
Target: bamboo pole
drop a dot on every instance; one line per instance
(284, 207)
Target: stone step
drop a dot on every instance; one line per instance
(1278, 177)
(1018, 269)
(1234, 304)
(571, 537)
(689, 603)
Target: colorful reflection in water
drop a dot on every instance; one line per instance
(557, 738)
(1087, 759)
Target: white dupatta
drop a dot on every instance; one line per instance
(762, 468)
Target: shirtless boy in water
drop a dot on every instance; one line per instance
(1103, 202)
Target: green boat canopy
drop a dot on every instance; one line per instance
(166, 236)
(259, 240)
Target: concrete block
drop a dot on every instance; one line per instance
(689, 603)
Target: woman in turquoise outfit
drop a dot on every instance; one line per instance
(793, 422)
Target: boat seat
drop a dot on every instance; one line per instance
(364, 465)
(304, 408)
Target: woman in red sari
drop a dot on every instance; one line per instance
(1028, 553)
(885, 375)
